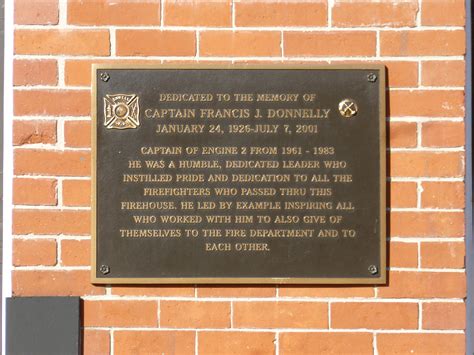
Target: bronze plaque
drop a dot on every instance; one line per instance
(246, 174)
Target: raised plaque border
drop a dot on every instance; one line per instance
(382, 279)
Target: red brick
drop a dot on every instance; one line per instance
(272, 61)
(236, 343)
(442, 134)
(402, 74)
(52, 103)
(239, 44)
(402, 194)
(391, 13)
(420, 344)
(325, 343)
(35, 72)
(52, 162)
(208, 61)
(43, 12)
(442, 255)
(403, 284)
(156, 42)
(443, 73)
(398, 73)
(420, 43)
(236, 291)
(118, 13)
(403, 254)
(77, 193)
(426, 224)
(77, 72)
(34, 131)
(301, 44)
(444, 315)
(154, 291)
(75, 252)
(32, 252)
(437, 194)
(96, 342)
(62, 42)
(370, 315)
(270, 13)
(198, 13)
(427, 103)
(280, 315)
(191, 314)
(154, 342)
(443, 13)
(402, 134)
(34, 192)
(427, 164)
(77, 134)
(51, 222)
(325, 291)
(120, 313)
(53, 283)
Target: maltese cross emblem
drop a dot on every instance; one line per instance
(121, 111)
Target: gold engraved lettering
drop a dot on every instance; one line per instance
(224, 180)
(224, 113)
(328, 233)
(150, 233)
(282, 233)
(147, 205)
(169, 113)
(220, 150)
(218, 247)
(186, 97)
(179, 128)
(277, 97)
(161, 150)
(251, 247)
(344, 178)
(312, 113)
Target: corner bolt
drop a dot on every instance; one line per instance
(373, 269)
(372, 77)
(104, 269)
(104, 76)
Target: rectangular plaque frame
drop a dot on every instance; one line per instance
(379, 277)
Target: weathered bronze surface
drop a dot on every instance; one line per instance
(238, 175)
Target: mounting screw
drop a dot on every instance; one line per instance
(373, 269)
(104, 269)
(372, 77)
(104, 76)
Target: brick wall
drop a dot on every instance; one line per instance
(423, 46)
